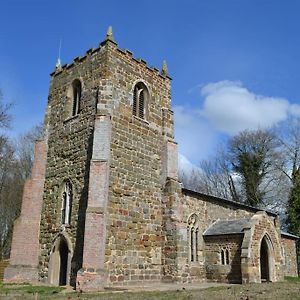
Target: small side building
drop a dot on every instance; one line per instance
(221, 240)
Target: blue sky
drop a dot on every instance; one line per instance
(234, 63)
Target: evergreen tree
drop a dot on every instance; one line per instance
(293, 209)
(251, 155)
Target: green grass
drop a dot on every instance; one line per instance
(218, 288)
(8, 288)
(292, 279)
(12, 284)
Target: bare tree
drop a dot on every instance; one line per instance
(217, 177)
(6, 160)
(25, 150)
(212, 177)
(191, 179)
(9, 187)
(5, 117)
(289, 138)
(247, 169)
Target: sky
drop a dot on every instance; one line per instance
(234, 63)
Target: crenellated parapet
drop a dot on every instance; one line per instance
(127, 54)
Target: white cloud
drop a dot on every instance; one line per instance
(228, 107)
(195, 136)
(185, 165)
(231, 107)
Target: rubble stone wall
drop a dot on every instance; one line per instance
(217, 271)
(208, 210)
(289, 256)
(70, 147)
(134, 214)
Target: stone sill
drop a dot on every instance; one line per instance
(71, 118)
(196, 264)
(141, 120)
(65, 226)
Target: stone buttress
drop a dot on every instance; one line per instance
(25, 249)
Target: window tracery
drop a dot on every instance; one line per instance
(224, 256)
(67, 199)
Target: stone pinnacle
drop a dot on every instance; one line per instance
(58, 65)
(109, 34)
(164, 70)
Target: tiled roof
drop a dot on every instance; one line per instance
(227, 227)
(223, 201)
(289, 235)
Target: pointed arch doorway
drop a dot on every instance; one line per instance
(60, 261)
(63, 268)
(264, 261)
(261, 250)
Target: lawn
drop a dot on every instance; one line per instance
(290, 289)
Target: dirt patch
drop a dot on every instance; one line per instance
(283, 290)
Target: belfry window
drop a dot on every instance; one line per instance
(76, 86)
(66, 208)
(140, 99)
(193, 238)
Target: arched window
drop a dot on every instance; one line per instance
(224, 256)
(76, 88)
(140, 100)
(66, 207)
(193, 237)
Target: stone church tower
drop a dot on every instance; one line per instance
(92, 210)
(104, 205)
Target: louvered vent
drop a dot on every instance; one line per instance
(134, 109)
(141, 104)
(140, 100)
(76, 97)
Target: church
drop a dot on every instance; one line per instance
(104, 206)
